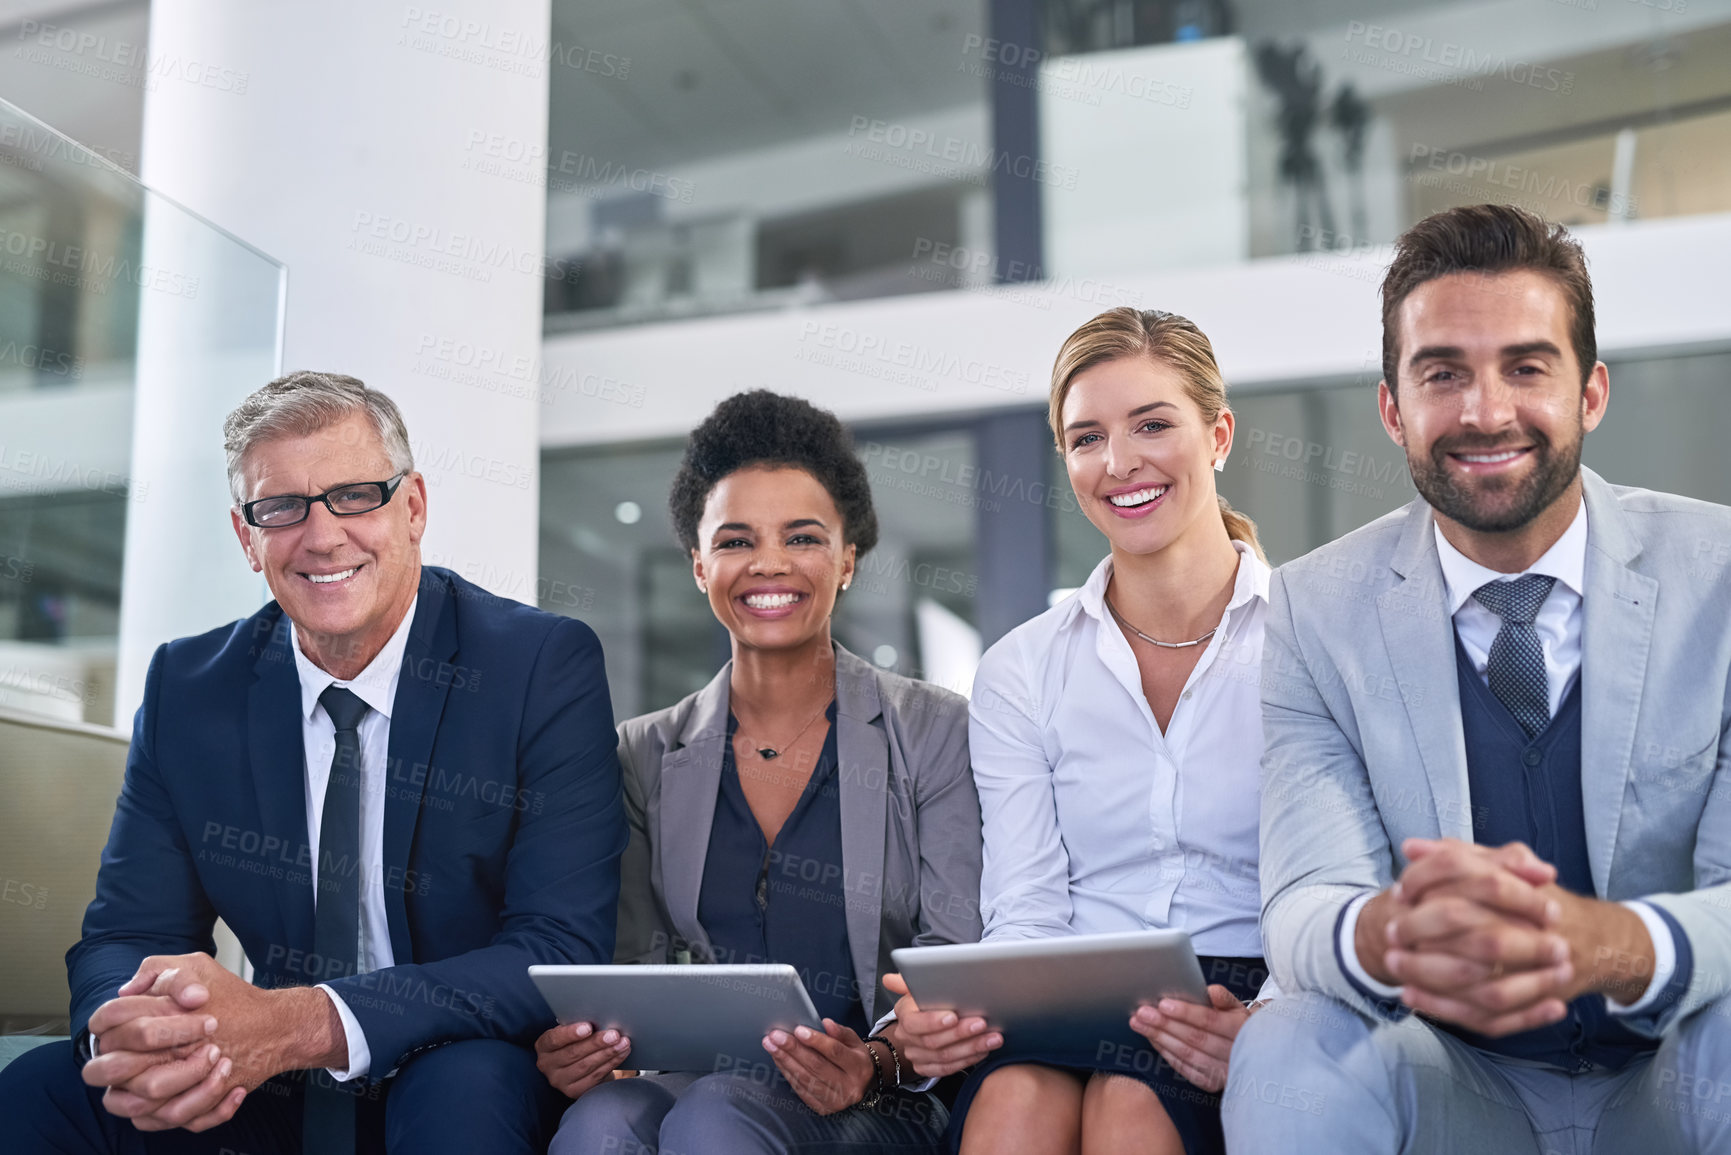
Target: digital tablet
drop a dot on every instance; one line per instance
(682, 1018)
(1068, 994)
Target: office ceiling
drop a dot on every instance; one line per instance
(710, 77)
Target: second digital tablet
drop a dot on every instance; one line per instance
(682, 1018)
(1062, 993)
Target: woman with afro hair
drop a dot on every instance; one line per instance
(805, 808)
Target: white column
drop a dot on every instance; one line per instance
(359, 144)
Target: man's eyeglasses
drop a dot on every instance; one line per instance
(345, 501)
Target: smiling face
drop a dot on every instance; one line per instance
(1139, 454)
(1490, 406)
(345, 582)
(771, 556)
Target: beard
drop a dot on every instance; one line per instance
(1494, 505)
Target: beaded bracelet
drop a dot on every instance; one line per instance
(895, 1056)
(875, 1093)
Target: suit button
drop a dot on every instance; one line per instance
(1533, 758)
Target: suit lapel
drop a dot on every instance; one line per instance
(1419, 635)
(419, 704)
(1617, 611)
(680, 826)
(863, 757)
(277, 758)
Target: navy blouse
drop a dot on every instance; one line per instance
(785, 903)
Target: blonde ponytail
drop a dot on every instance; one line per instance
(1240, 528)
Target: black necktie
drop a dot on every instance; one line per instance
(329, 1122)
(1516, 666)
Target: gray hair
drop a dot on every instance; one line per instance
(302, 403)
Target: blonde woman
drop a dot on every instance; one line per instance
(1116, 742)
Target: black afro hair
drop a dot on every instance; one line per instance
(763, 428)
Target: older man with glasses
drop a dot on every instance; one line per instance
(397, 789)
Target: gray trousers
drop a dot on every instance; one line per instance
(735, 1113)
(1310, 1074)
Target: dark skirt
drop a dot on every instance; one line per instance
(1193, 1111)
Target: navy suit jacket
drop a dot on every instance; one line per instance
(503, 821)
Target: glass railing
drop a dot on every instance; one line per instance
(128, 327)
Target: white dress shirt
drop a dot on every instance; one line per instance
(1095, 820)
(377, 687)
(1558, 622)
(1558, 625)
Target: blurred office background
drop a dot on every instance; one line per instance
(559, 232)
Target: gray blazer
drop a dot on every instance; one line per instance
(909, 815)
(1364, 743)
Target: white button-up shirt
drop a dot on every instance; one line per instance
(1558, 622)
(1094, 819)
(377, 687)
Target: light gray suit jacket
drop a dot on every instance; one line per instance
(910, 821)
(1364, 743)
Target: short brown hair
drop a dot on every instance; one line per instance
(1487, 239)
(1167, 339)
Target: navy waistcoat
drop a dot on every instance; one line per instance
(1530, 791)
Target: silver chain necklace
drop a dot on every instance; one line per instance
(1154, 641)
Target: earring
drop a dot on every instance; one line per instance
(846, 584)
(1220, 465)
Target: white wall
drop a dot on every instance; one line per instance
(1149, 155)
(338, 138)
(1659, 284)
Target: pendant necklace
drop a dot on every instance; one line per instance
(769, 752)
(1155, 641)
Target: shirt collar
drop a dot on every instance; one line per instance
(1250, 583)
(1566, 561)
(376, 685)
